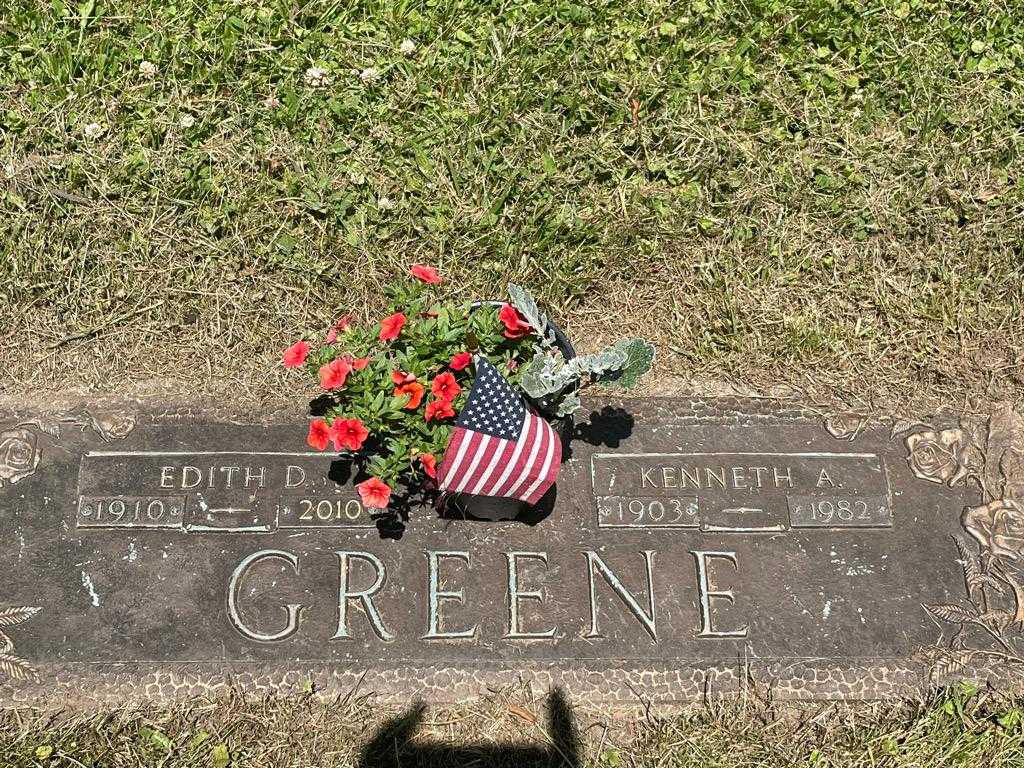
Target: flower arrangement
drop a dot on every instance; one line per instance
(394, 389)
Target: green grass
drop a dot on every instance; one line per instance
(807, 192)
(958, 727)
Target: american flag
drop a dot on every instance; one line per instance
(499, 446)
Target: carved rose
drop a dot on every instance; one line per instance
(845, 426)
(113, 425)
(998, 526)
(19, 455)
(937, 457)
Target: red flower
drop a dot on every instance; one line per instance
(444, 387)
(426, 274)
(515, 326)
(375, 493)
(340, 325)
(358, 363)
(438, 409)
(319, 434)
(348, 434)
(401, 377)
(391, 326)
(334, 373)
(460, 361)
(296, 354)
(415, 392)
(429, 464)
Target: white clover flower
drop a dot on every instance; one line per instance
(186, 121)
(271, 102)
(93, 130)
(147, 69)
(370, 75)
(317, 77)
(385, 203)
(407, 48)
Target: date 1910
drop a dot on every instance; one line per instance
(130, 511)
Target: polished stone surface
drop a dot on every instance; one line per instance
(689, 547)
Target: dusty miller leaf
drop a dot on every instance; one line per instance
(569, 405)
(611, 359)
(545, 376)
(639, 359)
(527, 306)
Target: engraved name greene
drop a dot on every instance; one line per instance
(616, 578)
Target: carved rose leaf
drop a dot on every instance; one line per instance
(19, 454)
(997, 526)
(955, 614)
(17, 669)
(10, 617)
(937, 457)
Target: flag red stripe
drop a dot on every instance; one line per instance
(551, 472)
(539, 448)
(525, 441)
(481, 446)
(502, 455)
(449, 456)
(471, 444)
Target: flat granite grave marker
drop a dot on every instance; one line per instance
(690, 547)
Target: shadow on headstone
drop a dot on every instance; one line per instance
(608, 427)
(395, 746)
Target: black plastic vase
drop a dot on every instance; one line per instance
(500, 508)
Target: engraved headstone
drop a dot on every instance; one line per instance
(689, 548)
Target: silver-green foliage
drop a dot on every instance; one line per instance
(527, 306)
(552, 382)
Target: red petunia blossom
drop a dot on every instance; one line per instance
(401, 377)
(460, 361)
(296, 354)
(357, 363)
(375, 493)
(319, 434)
(444, 387)
(339, 326)
(515, 326)
(429, 462)
(424, 273)
(414, 390)
(334, 373)
(348, 434)
(438, 409)
(391, 326)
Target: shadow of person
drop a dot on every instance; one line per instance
(393, 746)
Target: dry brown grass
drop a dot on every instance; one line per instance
(513, 728)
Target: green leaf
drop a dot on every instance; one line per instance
(220, 756)
(43, 752)
(200, 738)
(156, 738)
